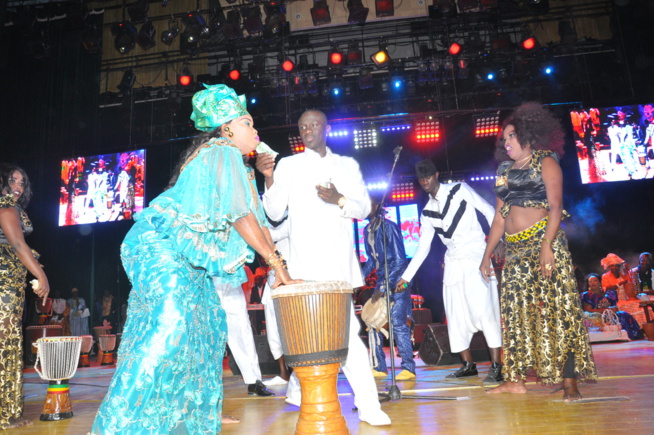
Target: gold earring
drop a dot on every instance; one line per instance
(229, 132)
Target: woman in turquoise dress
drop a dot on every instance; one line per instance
(208, 223)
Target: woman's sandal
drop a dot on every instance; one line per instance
(226, 419)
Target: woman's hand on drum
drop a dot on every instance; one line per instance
(547, 264)
(283, 278)
(486, 269)
(42, 288)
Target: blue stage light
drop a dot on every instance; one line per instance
(490, 76)
(548, 70)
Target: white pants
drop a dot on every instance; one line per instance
(471, 304)
(239, 331)
(272, 332)
(357, 371)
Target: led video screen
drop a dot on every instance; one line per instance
(102, 188)
(614, 143)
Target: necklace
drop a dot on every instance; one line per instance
(519, 162)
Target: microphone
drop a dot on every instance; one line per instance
(397, 150)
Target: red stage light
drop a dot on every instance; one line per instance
(529, 43)
(235, 74)
(184, 79)
(455, 49)
(288, 65)
(335, 58)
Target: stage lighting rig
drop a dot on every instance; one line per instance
(320, 13)
(125, 36)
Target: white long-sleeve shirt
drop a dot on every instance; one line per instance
(321, 235)
(451, 215)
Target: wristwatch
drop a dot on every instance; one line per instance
(341, 201)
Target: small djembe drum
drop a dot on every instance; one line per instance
(97, 332)
(58, 357)
(87, 345)
(33, 333)
(313, 320)
(107, 344)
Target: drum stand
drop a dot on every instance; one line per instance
(393, 392)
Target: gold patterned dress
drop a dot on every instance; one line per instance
(12, 298)
(542, 319)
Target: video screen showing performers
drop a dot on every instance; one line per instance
(406, 216)
(614, 143)
(103, 188)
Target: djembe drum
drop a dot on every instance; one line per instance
(107, 345)
(33, 333)
(87, 345)
(313, 320)
(58, 357)
(97, 332)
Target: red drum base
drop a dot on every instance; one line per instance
(57, 404)
(84, 360)
(320, 412)
(107, 358)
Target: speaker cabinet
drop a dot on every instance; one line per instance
(435, 347)
(267, 363)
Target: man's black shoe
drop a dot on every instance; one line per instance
(467, 369)
(494, 375)
(258, 389)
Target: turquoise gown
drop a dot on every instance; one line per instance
(169, 374)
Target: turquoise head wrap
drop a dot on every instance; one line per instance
(215, 106)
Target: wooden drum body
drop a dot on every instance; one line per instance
(58, 357)
(97, 332)
(87, 345)
(313, 320)
(107, 345)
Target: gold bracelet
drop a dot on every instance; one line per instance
(276, 261)
(545, 239)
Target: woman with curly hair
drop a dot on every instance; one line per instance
(541, 312)
(16, 258)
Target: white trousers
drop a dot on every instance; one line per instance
(471, 304)
(272, 331)
(356, 369)
(239, 331)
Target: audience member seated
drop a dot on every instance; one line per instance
(616, 278)
(641, 275)
(596, 300)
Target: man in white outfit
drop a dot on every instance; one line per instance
(240, 338)
(322, 192)
(471, 305)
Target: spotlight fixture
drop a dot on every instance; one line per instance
(365, 138)
(145, 38)
(384, 8)
(296, 144)
(252, 20)
(312, 85)
(195, 29)
(487, 125)
(125, 36)
(455, 48)
(365, 79)
(320, 13)
(92, 39)
(334, 58)
(354, 55)
(288, 65)
(234, 74)
(138, 11)
(169, 35)
(297, 83)
(184, 79)
(126, 83)
(528, 42)
(427, 130)
(232, 25)
(381, 58)
(358, 14)
(405, 191)
(275, 17)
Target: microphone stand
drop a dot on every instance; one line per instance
(393, 391)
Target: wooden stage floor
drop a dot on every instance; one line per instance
(622, 402)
